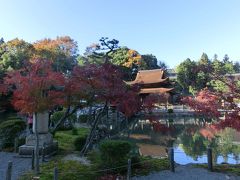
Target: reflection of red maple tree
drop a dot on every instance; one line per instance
(157, 125)
(209, 131)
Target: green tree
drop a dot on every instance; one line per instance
(186, 75)
(151, 61)
(15, 54)
(62, 52)
(120, 56)
(236, 67)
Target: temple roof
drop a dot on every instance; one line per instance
(149, 77)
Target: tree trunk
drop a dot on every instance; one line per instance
(36, 148)
(92, 132)
(66, 115)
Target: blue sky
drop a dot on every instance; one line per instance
(172, 30)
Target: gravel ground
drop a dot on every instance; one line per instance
(76, 157)
(20, 165)
(187, 172)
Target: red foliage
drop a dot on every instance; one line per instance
(209, 131)
(3, 88)
(205, 103)
(31, 87)
(103, 83)
(149, 101)
(157, 126)
(210, 103)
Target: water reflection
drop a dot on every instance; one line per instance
(189, 136)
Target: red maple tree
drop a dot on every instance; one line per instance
(32, 87)
(214, 104)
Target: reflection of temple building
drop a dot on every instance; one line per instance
(152, 82)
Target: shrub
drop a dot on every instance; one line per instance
(170, 110)
(56, 116)
(74, 131)
(84, 118)
(114, 152)
(9, 130)
(79, 142)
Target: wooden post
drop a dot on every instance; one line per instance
(16, 145)
(209, 154)
(43, 152)
(9, 171)
(129, 170)
(36, 147)
(33, 159)
(171, 159)
(55, 173)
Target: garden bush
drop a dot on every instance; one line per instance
(74, 131)
(56, 116)
(9, 130)
(79, 142)
(114, 152)
(170, 111)
(84, 118)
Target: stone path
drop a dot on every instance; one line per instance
(20, 165)
(187, 172)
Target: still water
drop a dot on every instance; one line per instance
(189, 137)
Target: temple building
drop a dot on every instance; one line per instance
(153, 82)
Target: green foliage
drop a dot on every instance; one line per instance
(151, 62)
(194, 145)
(68, 170)
(79, 142)
(218, 85)
(62, 51)
(15, 54)
(194, 76)
(66, 139)
(148, 165)
(114, 152)
(119, 56)
(185, 76)
(56, 116)
(170, 111)
(84, 118)
(74, 131)
(9, 130)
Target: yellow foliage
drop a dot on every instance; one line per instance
(133, 58)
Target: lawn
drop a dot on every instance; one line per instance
(66, 139)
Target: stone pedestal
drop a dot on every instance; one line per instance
(45, 138)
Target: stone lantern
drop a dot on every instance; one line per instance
(45, 138)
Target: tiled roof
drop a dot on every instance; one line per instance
(149, 77)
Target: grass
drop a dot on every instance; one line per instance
(147, 165)
(66, 139)
(67, 170)
(223, 168)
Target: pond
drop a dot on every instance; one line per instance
(189, 137)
